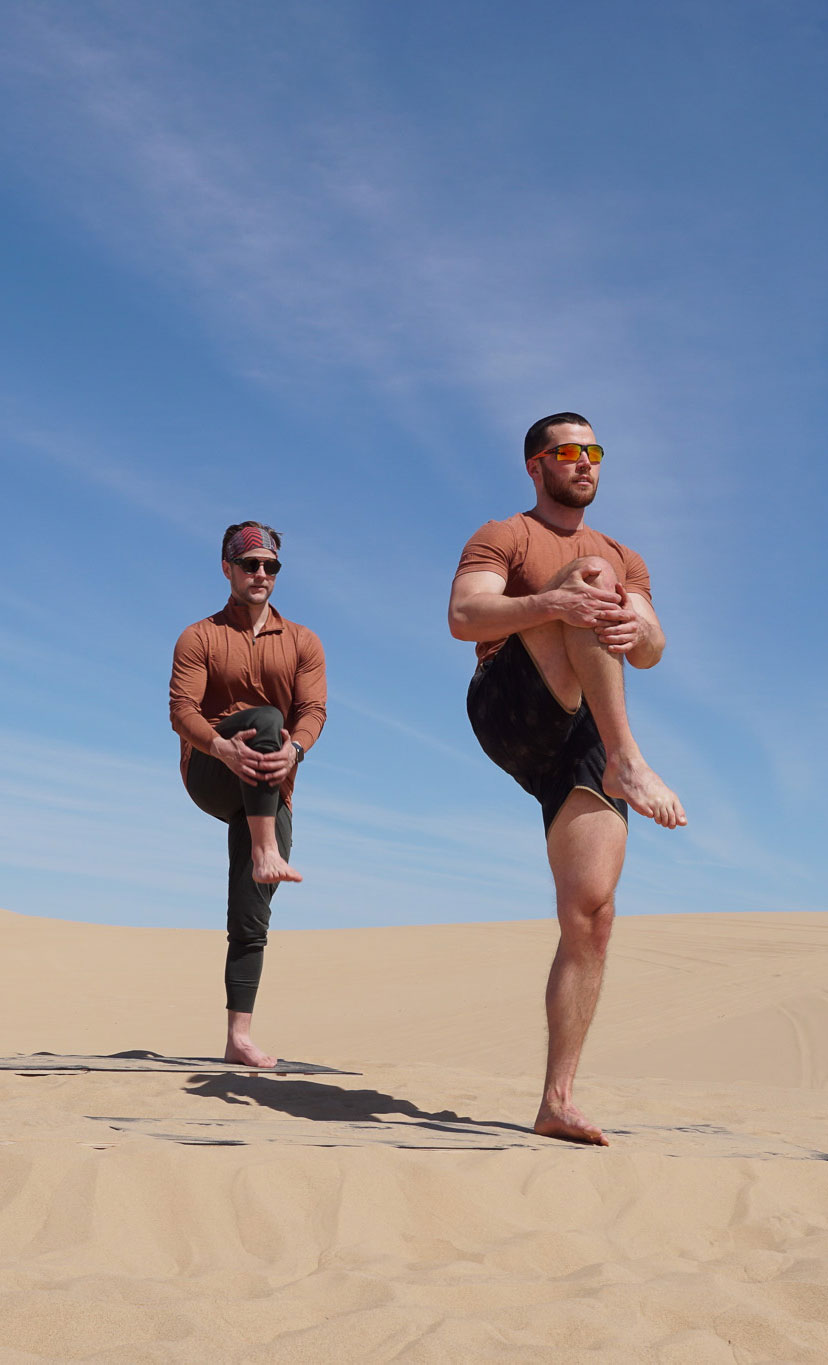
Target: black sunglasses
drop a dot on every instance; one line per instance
(251, 566)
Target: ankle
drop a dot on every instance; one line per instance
(624, 753)
(238, 1026)
(264, 850)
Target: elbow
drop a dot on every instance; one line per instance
(648, 658)
(459, 627)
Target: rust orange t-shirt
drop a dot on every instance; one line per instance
(527, 552)
(220, 666)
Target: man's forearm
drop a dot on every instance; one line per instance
(489, 616)
(218, 746)
(649, 650)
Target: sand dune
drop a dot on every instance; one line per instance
(407, 1213)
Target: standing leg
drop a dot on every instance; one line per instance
(248, 919)
(244, 809)
(586, 844)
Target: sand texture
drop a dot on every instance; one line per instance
(407, 1212)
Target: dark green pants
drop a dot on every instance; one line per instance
(220, 793)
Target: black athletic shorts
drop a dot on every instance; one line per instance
(524, 730)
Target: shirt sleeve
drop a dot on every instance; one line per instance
(490, 550)
(187, 687)
(638, 577)
(309, 691)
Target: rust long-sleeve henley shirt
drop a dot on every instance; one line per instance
(220, 667)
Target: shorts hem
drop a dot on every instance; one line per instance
(581, 787)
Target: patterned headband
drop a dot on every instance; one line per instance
(249, 538)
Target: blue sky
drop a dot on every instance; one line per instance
(323, 264)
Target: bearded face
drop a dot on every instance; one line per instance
(570, 485)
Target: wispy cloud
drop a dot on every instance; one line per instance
(419, 734)
(325, 245)
(69, 810)
(165, 499)
(324, 248)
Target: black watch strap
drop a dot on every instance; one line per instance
(300, 753)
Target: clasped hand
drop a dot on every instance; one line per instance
(251, 766)
(619, 628)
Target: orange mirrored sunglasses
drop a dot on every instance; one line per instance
(570, 451)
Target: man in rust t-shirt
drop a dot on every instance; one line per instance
(247, 697)
(554, 609)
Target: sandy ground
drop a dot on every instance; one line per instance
(408, 1213)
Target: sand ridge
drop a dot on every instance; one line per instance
(408, 1213)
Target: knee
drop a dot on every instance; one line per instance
(594, 567)
(590, 565)
(246, 938)
(268, 723)
(585, 930)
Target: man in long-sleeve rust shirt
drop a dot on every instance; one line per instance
(247, 697)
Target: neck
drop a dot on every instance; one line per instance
(258, 615)
(556, 514)
(258, 612)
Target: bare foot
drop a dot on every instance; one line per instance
(565, 1121)
(270, 867)
(631, 779)
(244, 1051)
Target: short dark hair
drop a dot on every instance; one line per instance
(536, 437)
(231, 531)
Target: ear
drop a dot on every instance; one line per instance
(225, 568)
(533, 470)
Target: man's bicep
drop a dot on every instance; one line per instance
(189, 671)
(470, 585)
(309, 680)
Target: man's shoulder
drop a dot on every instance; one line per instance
(501, 530)
(517, 521)
(303, 635)
(494, 547)
(216, 618)
(617, 545)
(199, 629)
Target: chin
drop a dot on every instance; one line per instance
(576, 498)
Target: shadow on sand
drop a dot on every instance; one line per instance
(324, 1103)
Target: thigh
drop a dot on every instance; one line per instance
(515, 717)
(213, 787)
(586, 845)
(545, 645)
(267, 721)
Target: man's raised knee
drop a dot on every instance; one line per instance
(590, 565)
(590, 568)
(268, 723)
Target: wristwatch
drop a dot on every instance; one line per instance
(300, 753)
